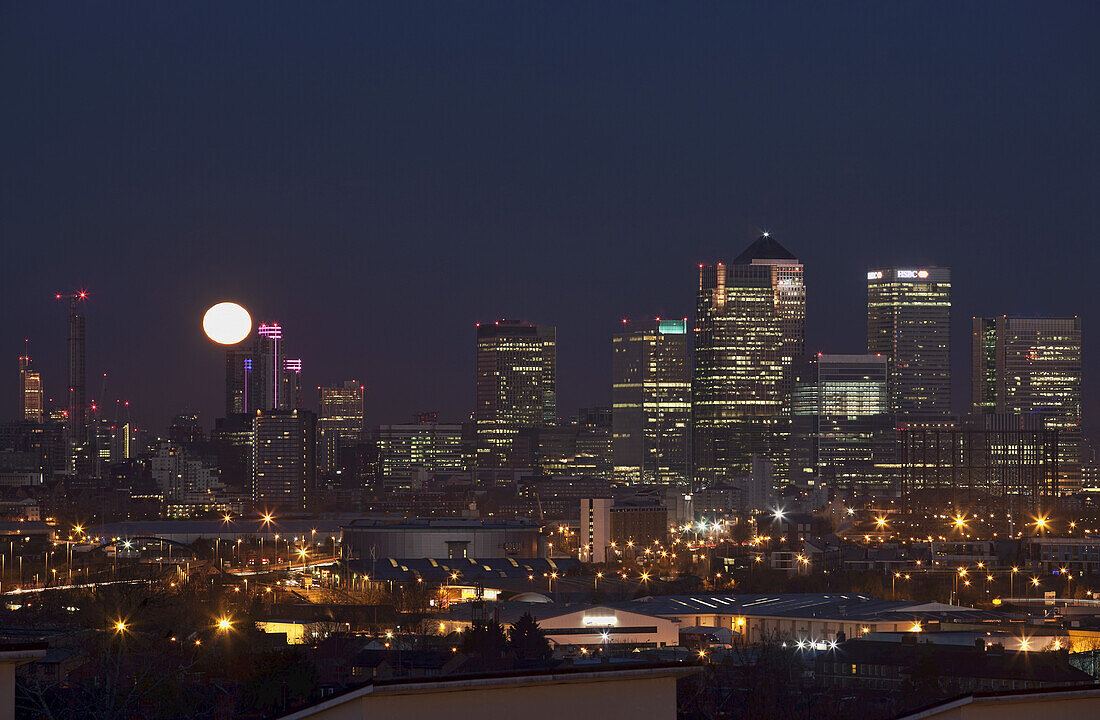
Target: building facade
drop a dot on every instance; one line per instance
(750, 325)
(340, 423)
(516, 385)
(410, 454)
(283, 459)
(1033, 366)
(260, 376)
(179, 476)
(840, 425)
(442, 538)
(909, 322)
(31, 407)
(651, 403)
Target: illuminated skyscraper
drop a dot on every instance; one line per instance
(266, 366)
(909, 322)
(516, 385)
(750, 326)
(259, 376)
(242, 394)
(284, 461)
(30, 392)
(651, 402)
(340, 422)
(1033, 366)
(290, 394)
(840, 425)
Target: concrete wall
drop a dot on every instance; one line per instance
(1085, 704)
(651, 696)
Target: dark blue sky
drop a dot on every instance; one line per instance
(380, 178)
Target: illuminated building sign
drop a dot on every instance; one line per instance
(600, 620)
(672, 327)
(911, 274)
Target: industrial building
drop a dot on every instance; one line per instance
(440, 538)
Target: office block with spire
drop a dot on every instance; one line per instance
(750, 326)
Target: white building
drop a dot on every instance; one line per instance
(178, 475)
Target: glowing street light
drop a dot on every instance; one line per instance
(225, 624)
(121, 626)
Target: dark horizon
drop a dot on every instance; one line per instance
(379, 180)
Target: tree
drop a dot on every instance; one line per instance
(527, 640)
(485, 638)
(282, 680)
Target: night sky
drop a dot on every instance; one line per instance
(378, 179)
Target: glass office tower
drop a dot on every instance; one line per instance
(651, 402)
(840, 425)
(1033, 366)
(750, 326)
(909, 322)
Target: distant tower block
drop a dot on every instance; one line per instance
(272, 333)
(77, 426)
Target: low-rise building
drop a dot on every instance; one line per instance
(892, 666)
(809, 617)
(438, 538)
(613, 626)
(1076, 554)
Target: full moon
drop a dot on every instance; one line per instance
(227, 323)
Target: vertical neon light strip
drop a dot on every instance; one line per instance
(247, 380)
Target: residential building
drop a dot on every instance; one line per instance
(31, 407)
(606, 523)
(283, 459)
(179, 475)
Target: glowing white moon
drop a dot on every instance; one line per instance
(227, 323)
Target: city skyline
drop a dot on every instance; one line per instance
(650, 360)
(581, 198)
(960, 338)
